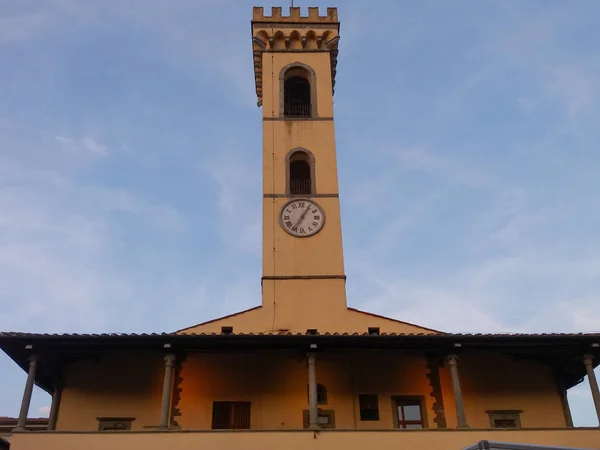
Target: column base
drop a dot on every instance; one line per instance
(18, 429)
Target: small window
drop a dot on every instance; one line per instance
(326, 418)
(231, 416)
(373, 331)
(300, 180)
(114, 423)
(321, 394)
(226, 330)
(408, 412)
(296, 93)
(369, 407)
(505, 418)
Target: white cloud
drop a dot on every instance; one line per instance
(83, 146)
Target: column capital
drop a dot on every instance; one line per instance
(169, 359)
(33, 358)
(452, 359)
(588, 359)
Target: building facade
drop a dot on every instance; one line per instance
(303, 370)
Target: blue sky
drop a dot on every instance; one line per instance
(130, 146)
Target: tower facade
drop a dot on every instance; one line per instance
(295, 60)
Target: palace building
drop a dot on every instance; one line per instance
(303, 370)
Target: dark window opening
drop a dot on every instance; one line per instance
(374, 331)
(321, 394)
(226, 330)
(231, 416)
(114, 423)
(296, 94)
(408, 413)
(369, 407)
(505, 423)
(300, 182)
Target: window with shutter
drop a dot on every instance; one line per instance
(231, 416)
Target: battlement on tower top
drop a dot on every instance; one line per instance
(293, 33)
(294, 16)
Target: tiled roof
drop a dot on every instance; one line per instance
(12, 334)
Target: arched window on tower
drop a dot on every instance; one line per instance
(296, 93)
(300, 175)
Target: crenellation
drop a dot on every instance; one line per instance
(276, 13)
(258, 13)
(295, 15)
(295, 32)
(313, 12)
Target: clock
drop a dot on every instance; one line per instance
(301, 217)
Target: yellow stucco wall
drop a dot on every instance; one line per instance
(303, 440)
(500, 382)
(304, 306)
(121, 385)
(276, 385)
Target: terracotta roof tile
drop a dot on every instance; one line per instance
(13, 334)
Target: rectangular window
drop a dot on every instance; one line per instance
(505, 418)
(409, 412)
(369, 406)
(231, 416)
(114, 423)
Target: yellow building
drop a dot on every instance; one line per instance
(303, 370)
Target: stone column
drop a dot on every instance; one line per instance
(589, 368)
(458, 399)
(313, 407)
(167, 386)
(56, 396)
(22, 421)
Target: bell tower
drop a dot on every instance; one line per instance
(303, 280)
(295, 61)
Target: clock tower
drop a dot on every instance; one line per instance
(295, 62)
(303, 279)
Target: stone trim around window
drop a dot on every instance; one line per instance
(312, 79)
(504, 415)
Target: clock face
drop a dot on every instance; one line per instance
(302, 217)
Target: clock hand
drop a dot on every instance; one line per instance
(303, 215)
